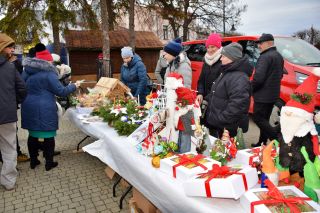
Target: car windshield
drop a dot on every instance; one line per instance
(298, 51)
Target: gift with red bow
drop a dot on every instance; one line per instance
(277, 200)
(222, 182)
(185, 166)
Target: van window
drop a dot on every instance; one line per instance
(195, 52)
(252, 52)
(298, 51)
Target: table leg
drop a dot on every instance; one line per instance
(124, 195)
(78, 146)
(115, 185)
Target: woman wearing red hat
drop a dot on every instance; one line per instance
(39, 110)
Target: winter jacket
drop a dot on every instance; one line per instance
(229, 98)
(134, 75)
(208, 75)
(290, 154)
(12, 91)
(182, 65)
(267, 78)
(39, 110)
(161, 69)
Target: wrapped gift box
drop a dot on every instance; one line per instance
(224, 185)
(248, 156)
(289, 192)
(187, 165)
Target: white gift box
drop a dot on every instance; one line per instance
(288, 191)
(232, 186)
(188, 170)
(247, 156)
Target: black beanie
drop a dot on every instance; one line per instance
(40, 47)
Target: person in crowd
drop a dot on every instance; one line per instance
(229, 98)
(161, 69)
(12, 92)
(134, 74)
(39, 110)
(178, 61)
(266, 87)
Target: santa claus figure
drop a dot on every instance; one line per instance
(297, 126)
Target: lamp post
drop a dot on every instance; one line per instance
(233, 29)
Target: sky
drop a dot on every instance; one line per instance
(279, 17)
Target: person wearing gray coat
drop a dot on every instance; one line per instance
(178, 61)
(161, 69)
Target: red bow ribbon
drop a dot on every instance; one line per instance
(278, 197)
(223, 172)
(255, 153)
(184, 159)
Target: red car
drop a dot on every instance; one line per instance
(299, 56)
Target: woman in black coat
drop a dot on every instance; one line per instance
(229, 98)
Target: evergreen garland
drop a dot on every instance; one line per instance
(304, 98)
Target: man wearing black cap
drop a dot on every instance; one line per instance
(266, 87)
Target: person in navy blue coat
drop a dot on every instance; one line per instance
(39, 110)
(134, 74)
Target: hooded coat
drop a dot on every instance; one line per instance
(182, 65)
(39, 110)
(12, 91)
(229, 98)
(134, 75)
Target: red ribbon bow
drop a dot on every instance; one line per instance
(223, 171)
(278, 197)
(184, 159)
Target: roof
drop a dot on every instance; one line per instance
(92, 39)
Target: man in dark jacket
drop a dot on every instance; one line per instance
(266, 87)
(12, 91)
(229, 98)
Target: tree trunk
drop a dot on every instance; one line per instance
(186, 21)
(111, 15)
(106, 41)
(56, 37)
(174, 27)
(131, 25)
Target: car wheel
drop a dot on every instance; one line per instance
(275, 115)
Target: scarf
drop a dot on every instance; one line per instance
(211, 59)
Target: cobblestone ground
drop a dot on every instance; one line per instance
(78, 184)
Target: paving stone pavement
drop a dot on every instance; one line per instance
(78, 184)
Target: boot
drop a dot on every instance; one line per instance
(33, 151)
(48, 151)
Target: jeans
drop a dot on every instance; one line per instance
(261, 116)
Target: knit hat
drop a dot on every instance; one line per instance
(5, 41)
(214, 39)
(42, 53)
(232, 51)
(174, 47)
(126, 52)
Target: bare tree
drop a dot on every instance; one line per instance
(106, 40)
(132, 34)
(311, 35)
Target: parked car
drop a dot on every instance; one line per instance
(299, 56)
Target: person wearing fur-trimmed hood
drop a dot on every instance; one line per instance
(39, 110)
(178, 61)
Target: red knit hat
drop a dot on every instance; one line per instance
(185, 96)
(176, 75)
(44, 55)
(303, 96)
(215, 40)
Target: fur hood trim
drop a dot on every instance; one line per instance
(39, 65)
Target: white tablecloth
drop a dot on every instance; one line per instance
(162, 190)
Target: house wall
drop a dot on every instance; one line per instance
(84, 62)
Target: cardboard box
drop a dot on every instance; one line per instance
(230, 186)
(124, 183)
(133, 208)
(287, 191)
(188, 170)
(110, 172)
(143, 203)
